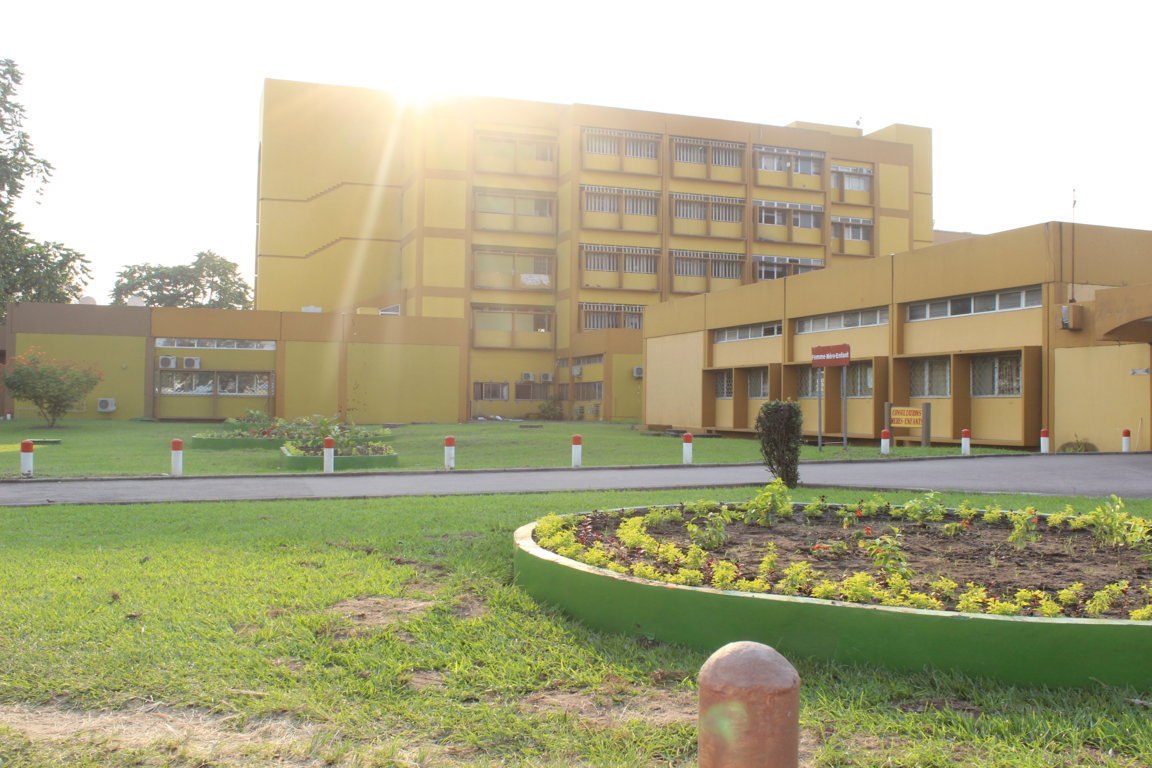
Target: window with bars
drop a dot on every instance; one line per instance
(602, 141)
(728, 270)
(976, 304)
(648, 149)
(858, 379)
(601, 261)
(782, 159)
(726, 212)
(508, 202)
(600, 316)
(690, 153)
(727, 156)
(723, 385)
(599, 202)
(721, 210)
(930, 377)
(489, 390)
(632, 202)
(589, 360)
(684, 266)
(809, 382)
(744, 332)
(714, 154)
(640, 263)
(996, 375)
(691, 209)
(639, 206)
(532, 390)
(758, 383)
(588, 390)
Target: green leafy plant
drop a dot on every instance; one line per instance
(53, 386)
(887, 553)
(779, 425)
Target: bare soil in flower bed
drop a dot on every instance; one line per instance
(980, 554)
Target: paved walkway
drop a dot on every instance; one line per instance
(1127, 475)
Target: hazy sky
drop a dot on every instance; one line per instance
(150, 111)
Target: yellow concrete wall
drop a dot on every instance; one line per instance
(401, 383)
(311, 378)
(341, 277)
(748, 352)
(119, 359)
(626, 390)
(996, 418)
(1017, 328)
(673, 383)
(1081, 412)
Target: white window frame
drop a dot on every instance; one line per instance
(758, 384)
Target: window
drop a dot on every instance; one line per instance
(604, 141)
(857, 318)
(600, 316)
(165, 342)
(782, 159)
(809, 382)
(744, 332)
(975, 304)
(725, 210)
(244, 384)
(597, 144)
(851, 179)
(859, 379)
(589, 360)
(727, 156)
(186, 382)
(723, 380)
(847, 228)
(532, 390)
(728, 270)
(608, 258)
(758, 383)
(929, 377)
(489, 390)
(588, 390)
(512, 268)
(695, 264)
(691, 153)
(528, 155)
(599, 261)
(996, 375)
(519, 326)
(690, 209)
(514, 202)
(776, 213)
(807, 220)
(772, 217)
(648, 149)
(633, 202)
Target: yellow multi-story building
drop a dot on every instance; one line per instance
(546, 231)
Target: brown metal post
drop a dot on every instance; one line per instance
(926, 425)
(749, 709)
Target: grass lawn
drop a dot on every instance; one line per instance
(104, 448)
(387, 633)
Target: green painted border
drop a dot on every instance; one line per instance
(235, 443)
(316, 463)
(1020, 650)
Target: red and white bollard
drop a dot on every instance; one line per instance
(687, 447)
(7, 415)
(577, 450)
(885, 442)
(329, 455)
(1126, 441)
(965, 442)
(1045, 444)
(450, 452)
(177, 457)
(26, 458)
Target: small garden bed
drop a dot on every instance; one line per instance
(310, 457)
(1060, 599)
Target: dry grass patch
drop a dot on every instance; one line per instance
(380, 612)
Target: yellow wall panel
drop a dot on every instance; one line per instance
(444, 262)
(1019, 328)
(120, 360)
(893, 182)
(1081, 412)
(402, 383)
(439, 306)
(311, 378)
(445, 203)
(673, 383)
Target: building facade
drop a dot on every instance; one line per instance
(1003, 335)
(546, 231)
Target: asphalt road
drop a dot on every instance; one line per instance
(1126, 475)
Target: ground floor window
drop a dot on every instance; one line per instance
(724, 385)
(532, 390)
(489, 390)
(758, 383)
(223, 383)
(996, 375)
(809, 382)
(930, 377)
(859, 380)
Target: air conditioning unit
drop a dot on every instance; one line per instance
(527, 376)
(638, 372)
(105, 404)
(191, 363)
(1071, 317)
(577, 371)
(167, 361)
(546, 377)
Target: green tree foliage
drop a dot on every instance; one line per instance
(52, 385)
(29, 270)
(779, 426)
(209, 281)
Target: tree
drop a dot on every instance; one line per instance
(52, 385)
(209, 281)
(779, 426)
(29, 270)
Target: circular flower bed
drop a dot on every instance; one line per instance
(1094, 564)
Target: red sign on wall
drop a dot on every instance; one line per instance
(835, 355)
